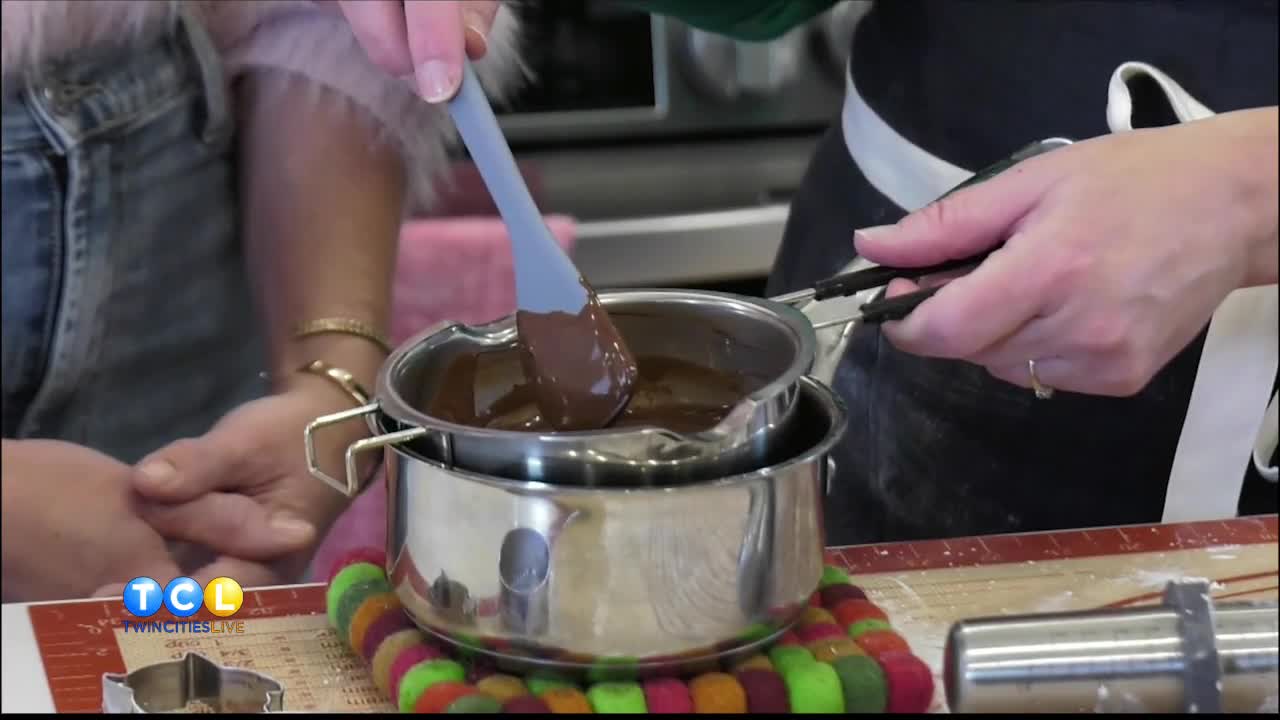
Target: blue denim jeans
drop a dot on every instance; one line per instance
(128, 317)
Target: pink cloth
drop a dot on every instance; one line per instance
(449, 269)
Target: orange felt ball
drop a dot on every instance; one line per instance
(848, 612)
(370, 610)
(879, 642)
(828, 649)
(502, 687)
(566, 700)
(816, 616)
(755, 662)
(718, 694)
(437, 698)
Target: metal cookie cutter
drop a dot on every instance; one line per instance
(194, 680)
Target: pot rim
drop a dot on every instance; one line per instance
(392, 403)
(832, 405)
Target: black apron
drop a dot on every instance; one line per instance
(939, 448)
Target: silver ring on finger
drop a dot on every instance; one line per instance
(1043, 392)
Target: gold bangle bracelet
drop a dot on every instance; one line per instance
(339, 377)
(344, 326)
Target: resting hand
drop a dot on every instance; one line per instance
(71, 524)
(243, 491)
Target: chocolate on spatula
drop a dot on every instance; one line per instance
(580, 369)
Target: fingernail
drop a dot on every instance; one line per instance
(291, 526)
(475, 36)
(161, 473)
(873, 233)
(437, 81)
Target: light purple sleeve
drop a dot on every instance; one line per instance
(316, 46)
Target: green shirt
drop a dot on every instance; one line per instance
(751, 20)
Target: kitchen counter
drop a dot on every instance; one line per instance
(55, 653)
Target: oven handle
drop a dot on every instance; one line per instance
(665, 248)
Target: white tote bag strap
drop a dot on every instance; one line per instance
(1224, 427)
(1268, 439)
(1120, 102)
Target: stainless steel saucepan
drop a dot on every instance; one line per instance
(607, 580)
(772, 343)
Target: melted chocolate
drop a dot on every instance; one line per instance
(581, 372)
(478, 390)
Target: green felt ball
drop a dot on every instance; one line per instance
(424, 675)
(832, 575)
(353, 598)
(814, 688)
(785, 656)
(467, 644)
(617, 698)
(865, 626)
(547, 681)
(613, 669)
(348, 576)
(863, 683)
(478, 704)
(757, 632)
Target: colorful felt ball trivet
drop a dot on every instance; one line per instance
(385, 626)
(353, 600)
(385, 655)
(718, 694)
(848, 612)
(841, 656)
(408, 659)
(566, 700)
(813, 687)
(526, 704)
(832, 595)
(863, 684)
(438, 697)
(344, 580)
(866, 626)
(372, 556)
(667, 696)
(880, 642)
(766, 691)
(617, 698)
(828, 649)
(426, 675)
(910, 682)
(502, 687)
(815, 616)
(479, 704)
(373, 609)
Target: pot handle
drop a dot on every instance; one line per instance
(351, 487)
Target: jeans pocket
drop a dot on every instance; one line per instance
(32, 240)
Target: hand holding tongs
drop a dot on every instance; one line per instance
(897, 308)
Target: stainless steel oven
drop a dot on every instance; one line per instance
(676, 150)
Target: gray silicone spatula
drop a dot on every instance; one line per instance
(575, 356)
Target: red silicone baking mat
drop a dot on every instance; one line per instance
(925, 586)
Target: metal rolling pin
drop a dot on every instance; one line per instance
(1183, 656)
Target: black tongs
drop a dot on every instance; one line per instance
(886, 309)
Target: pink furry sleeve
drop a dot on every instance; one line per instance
(316, 46)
